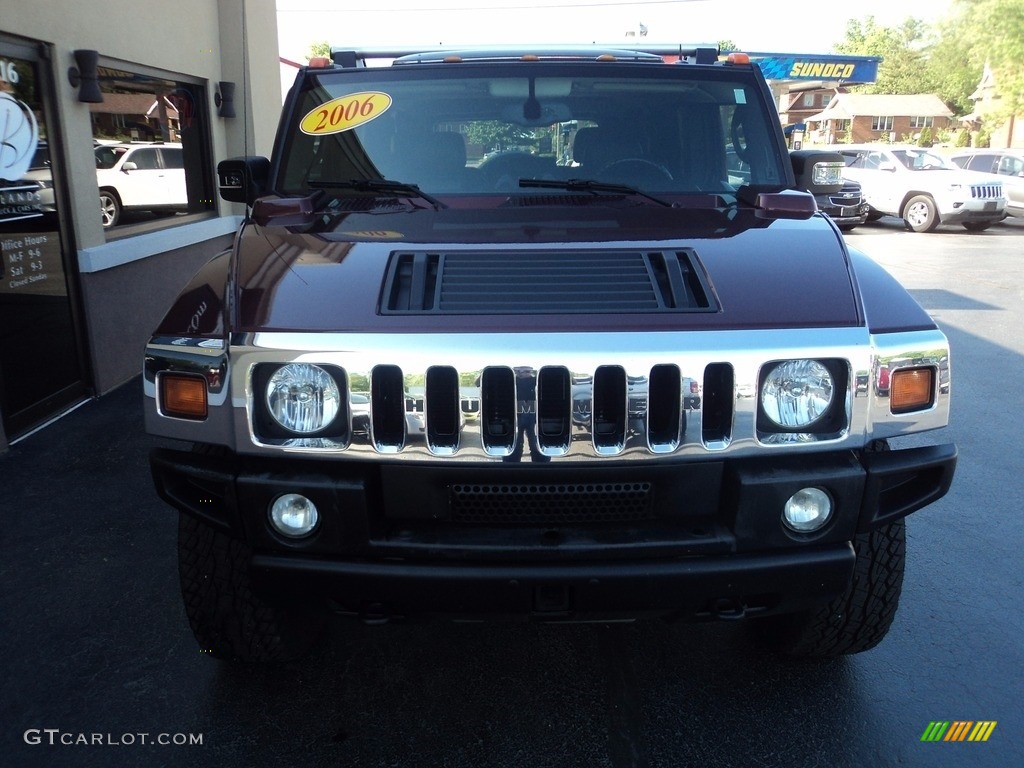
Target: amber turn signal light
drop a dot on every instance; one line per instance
(911, 389)
(183, 396)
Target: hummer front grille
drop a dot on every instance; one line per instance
(553, 397)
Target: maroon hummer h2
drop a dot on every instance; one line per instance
(547, 333)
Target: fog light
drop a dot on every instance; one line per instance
(807, 510)
(293, 515)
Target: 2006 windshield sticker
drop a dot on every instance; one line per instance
(345, 113)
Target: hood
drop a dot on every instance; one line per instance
(548, 272)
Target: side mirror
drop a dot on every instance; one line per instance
(818, 172)
(129, 166)
(243, 179)
(887, 165)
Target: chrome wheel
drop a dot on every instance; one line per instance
(110, 209)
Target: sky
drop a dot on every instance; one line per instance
(754, 25)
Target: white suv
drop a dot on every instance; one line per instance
(922, 187)
(147, 177)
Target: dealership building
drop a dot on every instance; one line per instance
(112, 122)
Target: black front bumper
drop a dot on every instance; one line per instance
(728, 586)
(710, 543)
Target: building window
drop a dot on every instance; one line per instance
(809, 99)
(152, 143)
(841, 125)
(881, 123)
(921, 121)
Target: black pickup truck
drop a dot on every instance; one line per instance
(504, 334)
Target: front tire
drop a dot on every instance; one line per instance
(977, 226)
(110, 208)
(228, 620)
(920, 214)
(858, 619)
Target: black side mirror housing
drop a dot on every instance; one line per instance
(243, 179)
(816, 171)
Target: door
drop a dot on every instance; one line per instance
(42, 370)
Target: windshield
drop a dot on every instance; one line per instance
(474, 130)
(921, 160)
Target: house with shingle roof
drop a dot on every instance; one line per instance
(867, 117)
(138, 116)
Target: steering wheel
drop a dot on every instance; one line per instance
(635, 170)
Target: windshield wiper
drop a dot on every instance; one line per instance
(589, 185)
(384, 186)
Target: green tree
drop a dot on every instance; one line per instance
(319, 48)
(903, 50)
(991, 32)
(955, 66)
(495, 135)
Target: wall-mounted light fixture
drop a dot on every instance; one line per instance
(225, 99)
(83, 77)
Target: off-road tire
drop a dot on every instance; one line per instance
(860, 618)
(977, 226)
(228, 620)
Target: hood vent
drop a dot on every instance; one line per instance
(545, 282)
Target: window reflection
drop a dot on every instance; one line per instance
(152, 151)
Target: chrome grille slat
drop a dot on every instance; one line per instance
(547, 408)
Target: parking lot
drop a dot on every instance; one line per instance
(96, 643)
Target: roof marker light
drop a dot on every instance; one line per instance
(319, 62)
(738, 58)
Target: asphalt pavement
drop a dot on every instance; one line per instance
(100, 668)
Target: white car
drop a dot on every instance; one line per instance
(148, 177)
(922, 187)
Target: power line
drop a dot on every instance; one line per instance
(524, 7)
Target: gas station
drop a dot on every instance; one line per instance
(810, 74)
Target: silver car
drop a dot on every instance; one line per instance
(1007, 164)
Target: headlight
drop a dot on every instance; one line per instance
(796, 393)
(303, 398)
(828, 174)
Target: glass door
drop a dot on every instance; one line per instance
(42, 370)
